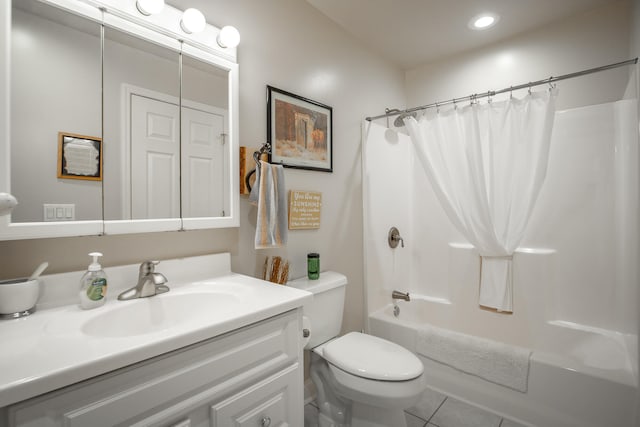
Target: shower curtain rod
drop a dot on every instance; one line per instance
(507, 89)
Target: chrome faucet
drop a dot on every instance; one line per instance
(400, 295)
(150, 283)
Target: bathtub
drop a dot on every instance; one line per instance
(578, 376)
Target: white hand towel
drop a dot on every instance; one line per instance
(270, 195)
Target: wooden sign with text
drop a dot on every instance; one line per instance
(304, 210)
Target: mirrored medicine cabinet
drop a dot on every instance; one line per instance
(115, 122)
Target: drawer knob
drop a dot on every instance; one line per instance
(305, 333)
(266, 422)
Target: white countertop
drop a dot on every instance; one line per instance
(58, 346)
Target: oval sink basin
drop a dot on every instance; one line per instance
(157, 313)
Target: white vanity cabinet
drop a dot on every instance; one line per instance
(251, 376)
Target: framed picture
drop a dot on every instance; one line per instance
(300, 131)
(79, 157)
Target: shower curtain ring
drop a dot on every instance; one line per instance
(529, 90)
(510, 92)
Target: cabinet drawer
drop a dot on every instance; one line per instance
(219, 365)
(273, 402)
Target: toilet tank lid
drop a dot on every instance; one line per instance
(327, 280)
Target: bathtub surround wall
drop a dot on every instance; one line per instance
(598, 37)
(575, 263)
(575, 300)
(576, 274)
(337, 71)
(595, 38)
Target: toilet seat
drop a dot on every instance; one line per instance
(372, 358)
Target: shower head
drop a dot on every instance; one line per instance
(399, 121)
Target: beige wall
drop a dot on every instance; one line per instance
(289, 45)
(598, 37)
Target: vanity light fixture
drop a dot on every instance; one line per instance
(229, 37)
(483, 21)
(7, 203)
(149, 7)
(193, 21)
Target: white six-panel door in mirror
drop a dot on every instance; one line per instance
(205, 152)
(141, 128)
(155, 155)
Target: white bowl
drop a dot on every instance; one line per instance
(18, 297)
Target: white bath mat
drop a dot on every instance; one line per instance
(493, 361)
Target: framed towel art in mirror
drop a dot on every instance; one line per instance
(79, 157)
(300, 131)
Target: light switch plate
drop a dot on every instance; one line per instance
(59, 212)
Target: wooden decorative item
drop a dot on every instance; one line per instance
(304, 210)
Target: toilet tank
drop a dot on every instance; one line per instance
(326, 309)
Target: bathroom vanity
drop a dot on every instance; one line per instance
(218, 349)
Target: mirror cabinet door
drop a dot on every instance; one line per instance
(205, 149)
(142, 128)
(55, 115)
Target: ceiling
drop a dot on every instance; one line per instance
(414, 32)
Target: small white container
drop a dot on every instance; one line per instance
(18, 297)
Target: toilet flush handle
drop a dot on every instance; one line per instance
(266, 422)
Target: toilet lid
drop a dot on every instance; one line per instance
(372, 357)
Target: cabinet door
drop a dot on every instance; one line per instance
(273, 402)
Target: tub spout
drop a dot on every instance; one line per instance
(400, 295)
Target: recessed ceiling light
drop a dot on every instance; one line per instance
(483, 21)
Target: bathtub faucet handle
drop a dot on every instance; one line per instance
(394, 237)
(400, 295)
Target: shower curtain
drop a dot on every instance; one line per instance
(487, 164)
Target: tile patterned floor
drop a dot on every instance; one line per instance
(435, 410)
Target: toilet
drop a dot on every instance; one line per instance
(361, 380)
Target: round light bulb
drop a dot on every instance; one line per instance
(192, 21)
(228, 37)
(150, 7)
(483, 21)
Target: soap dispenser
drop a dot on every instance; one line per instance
(93, 285)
